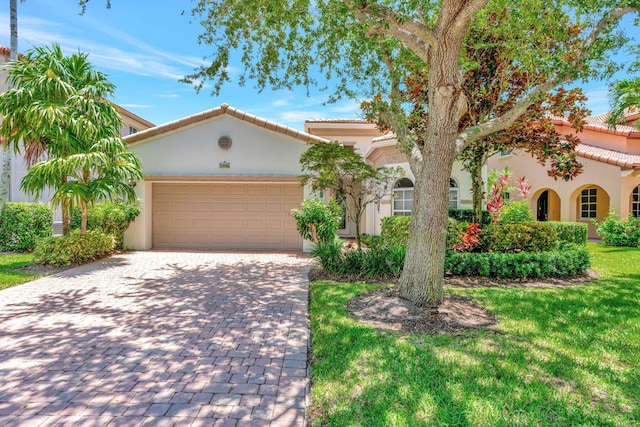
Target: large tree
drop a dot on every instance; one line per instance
(57, 109)
(372, 46)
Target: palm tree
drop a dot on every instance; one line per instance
(624, 94)
(58, 108)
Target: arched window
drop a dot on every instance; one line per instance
(635, 202)
(403, 197)
(454, 194)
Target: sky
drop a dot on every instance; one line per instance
(146, 46)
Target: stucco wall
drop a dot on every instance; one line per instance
(192, 153)
(194, 150)
(611, 179)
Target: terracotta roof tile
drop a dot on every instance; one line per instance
(354, 120)
(624, 160)
(223, 109)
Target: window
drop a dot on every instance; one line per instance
(588, 203)
(403, 197)
(132, 130)
(635, 202)
(454, 194)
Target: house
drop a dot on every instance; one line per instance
(226, 179)
(132, 123)
(610, 178)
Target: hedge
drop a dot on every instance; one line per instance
(21, 224)
(573, 232)
(570, 260)
(466, 215)
(395, 229)
(109, 217)
(512, 237)
(75, 249)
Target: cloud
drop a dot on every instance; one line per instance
(166, 95)
(136, 105)
(135, 56)
(300, 116)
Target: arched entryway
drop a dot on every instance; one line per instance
(591, 203)
(547, 205)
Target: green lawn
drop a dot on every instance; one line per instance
(558, 357)
(9, 276)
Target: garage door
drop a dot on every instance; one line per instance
(225, 216)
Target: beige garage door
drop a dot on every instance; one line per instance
(225, 216)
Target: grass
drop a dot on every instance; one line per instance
(9, 276)
(558, 357)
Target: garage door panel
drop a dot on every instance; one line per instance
(225, 216)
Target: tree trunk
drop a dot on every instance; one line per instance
(477, 189)
(5, 173)
(422, 277)
(83, 222)
(66, 229)
(423, 274)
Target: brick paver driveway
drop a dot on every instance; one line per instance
(158, 338)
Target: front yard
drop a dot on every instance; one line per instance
(557, 357)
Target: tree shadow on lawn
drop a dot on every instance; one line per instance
(101, 348)
(530, 370)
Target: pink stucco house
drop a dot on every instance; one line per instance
(610, 180)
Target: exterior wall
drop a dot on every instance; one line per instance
(615, 186)
(192, 154)
(375, 213)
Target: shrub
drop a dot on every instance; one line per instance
(466, 215)
(469, 239)
(573, 232)
(75, 249)
(619, 232)
(380, 262)
(109, 217)
(516, 212)
(511, 237)
(318, 222)
(371, 240)
(21, 224)
(570, 260)
(395, 230)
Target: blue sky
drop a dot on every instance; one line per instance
(146, 46)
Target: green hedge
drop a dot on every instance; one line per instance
(75, 249)
(617, 231)
(570, 260)
(466, 215)
(21, 224)
(512, 237)
(572, 232)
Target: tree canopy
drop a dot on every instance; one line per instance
(370, 47)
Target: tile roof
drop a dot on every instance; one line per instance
(624, 160)
(223, 109)
(125, 112)
(359, 121)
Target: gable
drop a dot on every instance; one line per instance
(193, 149)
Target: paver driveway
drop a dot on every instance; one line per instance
(158, 338)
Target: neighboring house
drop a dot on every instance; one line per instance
(610, 179)
(132, 124)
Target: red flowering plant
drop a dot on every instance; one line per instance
(469, 240)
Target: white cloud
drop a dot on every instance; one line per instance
(139, 58)
(166, 95)
(136, 105)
